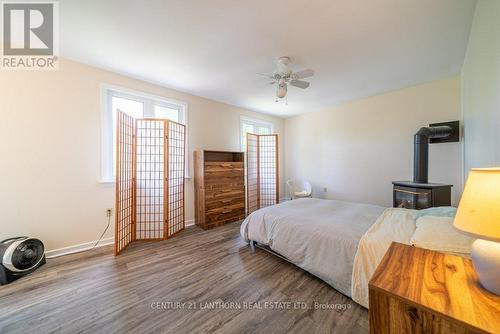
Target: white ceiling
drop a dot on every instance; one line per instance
(213, 48)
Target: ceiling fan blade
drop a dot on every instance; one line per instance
(265, 75)
(304, 74)
(299, 83)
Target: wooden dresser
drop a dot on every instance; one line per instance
(219, 184)
(415, 290)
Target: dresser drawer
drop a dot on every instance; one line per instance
(221, 202)
(223, 191)
(223, 167)
(234, 211)
(223, 172)
(230, 185)
(227, 208)
(224, 220)
(222, 179)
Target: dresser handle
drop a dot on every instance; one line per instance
(412, 314)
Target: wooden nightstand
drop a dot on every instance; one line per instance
(415, 290)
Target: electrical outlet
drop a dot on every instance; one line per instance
(109, 212)
(325, 190)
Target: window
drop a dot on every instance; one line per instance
(249, 125)
(167, 113)
(137, 105)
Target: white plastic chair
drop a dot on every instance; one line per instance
(299, 189)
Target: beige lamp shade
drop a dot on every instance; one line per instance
(479, 211)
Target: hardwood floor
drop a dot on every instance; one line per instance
(95, 292)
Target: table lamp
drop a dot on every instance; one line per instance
(478, 215)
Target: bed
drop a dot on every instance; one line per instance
(339, 242)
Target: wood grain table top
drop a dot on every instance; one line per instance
(443, 284)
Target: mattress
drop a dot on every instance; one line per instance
(320, 236)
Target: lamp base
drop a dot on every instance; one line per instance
(486, 259)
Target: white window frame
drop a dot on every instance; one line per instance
(254, 121)
(149, 101)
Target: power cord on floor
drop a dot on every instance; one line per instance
(103, 233)
(109, 214)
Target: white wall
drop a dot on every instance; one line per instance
(481, 88)
(50, 148)
(355, 150)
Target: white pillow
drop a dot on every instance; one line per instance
(438, 234)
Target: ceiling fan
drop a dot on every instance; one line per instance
(284, 76)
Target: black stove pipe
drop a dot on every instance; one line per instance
(421, 150)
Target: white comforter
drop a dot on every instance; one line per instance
(340, 242)
(393, 225)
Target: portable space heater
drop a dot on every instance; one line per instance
(19, 257)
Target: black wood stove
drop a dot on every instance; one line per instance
(419, 193)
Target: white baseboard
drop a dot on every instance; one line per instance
(78, 248)
(89, 245)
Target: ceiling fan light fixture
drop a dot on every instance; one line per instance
(281, 90)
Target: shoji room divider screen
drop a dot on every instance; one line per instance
(262, 171)
(150, 168)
